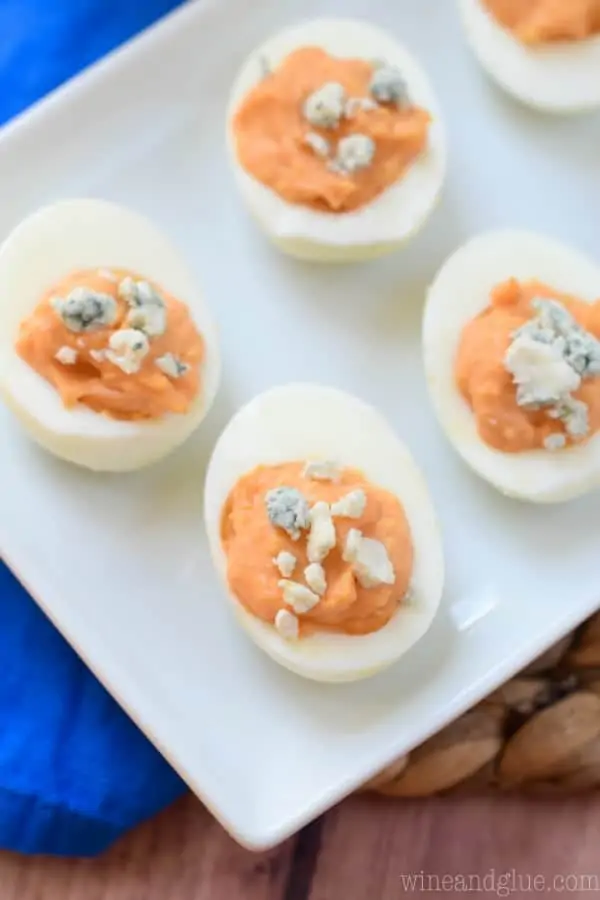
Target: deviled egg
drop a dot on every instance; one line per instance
(546, 53)
(108, 354)
(512, 355)
(336, 140)
(322, 530)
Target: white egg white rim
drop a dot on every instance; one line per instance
(91, 233)
(460, 291)
(297, 415)
(532, 74)
(401, 209)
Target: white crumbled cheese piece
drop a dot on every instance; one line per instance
(553, 324)
(324, 107)
(107, 275)
(369, 558)
(555, 441)
(151, 319)
(286, 563)
(574, 416)
(353, 539)
(541, 374)
(388, 86)
(314, 575)
(372, 565)
(286, 624)
(354, 104)
(350, 506)
(582, 352)
(354, 152)
(549, 357)
(317, 143)
(139, 293)
(148, 311)
(85, 309)
(66, 355)
(288, 509)
(321, 538)
(171, 366)
(299, 597)
(147, 295)
(127, 349)
(127, 290)
(325, 470)
(98, 355)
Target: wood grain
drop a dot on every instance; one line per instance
(363, 850)
(377, 844)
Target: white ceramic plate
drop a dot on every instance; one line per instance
(120, 564)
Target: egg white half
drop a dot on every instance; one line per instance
(391, 219)
(562, 77)
(460, 291)
(303, 421)
(47, 246)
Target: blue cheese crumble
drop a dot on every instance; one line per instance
(67, 356)
(555, 441)
(139, 293)
(298, 596)
(317, 143)
(286, 563)
(574, 416)
(554, 325)
(288, 509)
(370, 561)
(540, 372)
(314, 575)
(85, 310)
(356, 104)
(152, 320)
(286, 623)
(322, 470)
(127, 349)
(148, 312)
(325, 107)
(388, 86)
(350, 506)
(171, 366)
(548, 358)
(354, 152)
(322, 537)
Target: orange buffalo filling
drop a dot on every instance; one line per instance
(82, 367)
(270, 130)
(251, 543)
(543, 21)
(489, 388)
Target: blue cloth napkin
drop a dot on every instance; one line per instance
(75, 773)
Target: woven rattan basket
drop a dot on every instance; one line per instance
(540, 733)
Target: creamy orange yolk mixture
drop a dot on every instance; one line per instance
(252, 543)
(135, 377)
(489, 388)
(544, 21)
(274, 143)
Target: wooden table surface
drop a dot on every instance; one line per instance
(366, 849)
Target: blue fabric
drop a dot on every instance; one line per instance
(75, 773)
